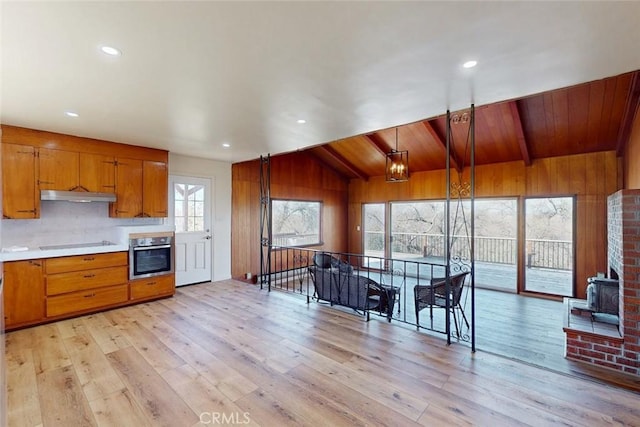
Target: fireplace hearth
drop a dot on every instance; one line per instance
(615, 346)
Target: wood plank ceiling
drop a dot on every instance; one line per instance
(590, 117)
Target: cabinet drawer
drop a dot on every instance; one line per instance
(82, 280)
(85, 262)
(153, 287)
(80, 301)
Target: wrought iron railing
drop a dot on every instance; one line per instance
(293, 270)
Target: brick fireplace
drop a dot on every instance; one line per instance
(621, 350)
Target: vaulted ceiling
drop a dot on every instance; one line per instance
(585, 118)
(229, 80)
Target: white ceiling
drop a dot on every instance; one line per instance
(194, 75)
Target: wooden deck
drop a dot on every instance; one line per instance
(232, 352)
(499, 276)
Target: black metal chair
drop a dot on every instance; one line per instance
(434, 295)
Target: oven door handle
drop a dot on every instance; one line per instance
(144, 248)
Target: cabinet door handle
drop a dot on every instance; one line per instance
(89, 258)
(89, 295)
(88, 276)
(151, 283)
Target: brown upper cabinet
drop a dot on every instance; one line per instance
(155, 182)
(128, 202)
(97, 173)
(20, 199)
(141, 189)
(72, 171)
(35, 160)
(58, 169)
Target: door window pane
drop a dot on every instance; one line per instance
(188, 207)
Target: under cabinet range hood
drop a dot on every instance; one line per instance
(77, 196)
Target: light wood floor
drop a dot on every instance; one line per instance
(229, 353)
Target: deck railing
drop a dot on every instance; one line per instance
(294, 239)
(553, 254)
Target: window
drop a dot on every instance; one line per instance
(188, 207)
(418, 232)
(417, 229)
(295, 223)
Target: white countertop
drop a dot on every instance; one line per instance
(37, 253)
(122, 244)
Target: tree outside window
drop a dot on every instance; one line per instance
(296, 223)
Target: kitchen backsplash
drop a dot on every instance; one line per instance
(66, 222)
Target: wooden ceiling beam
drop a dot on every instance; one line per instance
(344, 162)
(378, 143)
(340, 172)
(522, 142)
(630, 111)
(427, 125)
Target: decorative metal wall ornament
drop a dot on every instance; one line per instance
(397, 166)
(460, 118)
(460, 189)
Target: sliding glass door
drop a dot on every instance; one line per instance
(549, 245)
(418, 231)
(496, 244)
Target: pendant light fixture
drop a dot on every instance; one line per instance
(397, 166)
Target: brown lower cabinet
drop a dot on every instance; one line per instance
(153, 287)
(81, 301)
(37, 291)
(23, 293)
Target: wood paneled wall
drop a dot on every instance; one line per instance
(591, 177)
(296, 176)
(632, 157)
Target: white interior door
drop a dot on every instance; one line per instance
(191, 212)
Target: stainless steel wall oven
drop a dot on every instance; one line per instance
(151, 254)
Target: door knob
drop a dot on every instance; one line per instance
(207, 237)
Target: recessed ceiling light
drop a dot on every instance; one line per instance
(302, 121)
(226, 145)
(470, 64)
(71, 114)
(109, 50)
